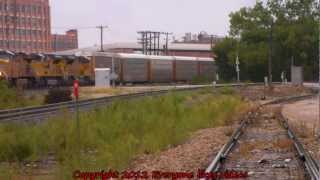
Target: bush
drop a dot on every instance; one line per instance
(201, 80)
(9, 97)
(58, 95)
(226, 91)
(112, 136)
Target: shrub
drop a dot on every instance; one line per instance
(112, 136)
(226, 91)
(9, 97)
(57, 95)
(201, 80)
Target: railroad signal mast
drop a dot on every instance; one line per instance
(238, 68)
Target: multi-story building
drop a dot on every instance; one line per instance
(61, 42)
(25, 25)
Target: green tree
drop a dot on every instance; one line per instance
(295, 36)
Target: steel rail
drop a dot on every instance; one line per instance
(310, 164)
(39, 113)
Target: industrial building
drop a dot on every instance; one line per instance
(174, 49)
(25, 25)
(67, 41)
(200, 38)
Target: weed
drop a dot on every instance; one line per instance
(227, 91)
(110, 137)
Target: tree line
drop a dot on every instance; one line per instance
(286, 30)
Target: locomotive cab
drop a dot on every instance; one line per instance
(5, 58)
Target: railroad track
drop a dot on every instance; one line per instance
(40, 113)
(265, 148)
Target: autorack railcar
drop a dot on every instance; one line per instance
(137, 68)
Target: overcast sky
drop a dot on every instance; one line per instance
(126, 17)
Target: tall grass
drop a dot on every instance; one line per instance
(12, 98)
(110, 137)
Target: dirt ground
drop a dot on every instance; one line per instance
(189, 157)
(303, 116)
(257, 93)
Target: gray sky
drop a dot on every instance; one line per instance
(125, 17)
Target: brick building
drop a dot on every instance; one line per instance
(25, 25)
(61, 42)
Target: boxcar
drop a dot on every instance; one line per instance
(138, 68)
(161, 68)
(186, 68)
(135, 68)
(104, 60)
(207, 68)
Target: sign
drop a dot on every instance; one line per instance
(76, 88)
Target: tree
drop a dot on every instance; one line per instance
(295, 34)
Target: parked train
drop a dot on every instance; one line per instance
(51, 69)
(43, 69)
(155, 69)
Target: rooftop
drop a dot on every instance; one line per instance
(173, 46)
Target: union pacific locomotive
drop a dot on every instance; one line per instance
(43, 69)
(37, 70)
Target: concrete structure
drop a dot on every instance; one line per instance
(102, 77)
(297, 75)
(174, 49)
(25, 25)
(61, 42)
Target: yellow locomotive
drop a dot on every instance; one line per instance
(34, 70)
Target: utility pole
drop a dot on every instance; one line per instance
(167, 42)
(270, 54)
(101, 36)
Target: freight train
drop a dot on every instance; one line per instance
(38, 70)
(140, 68)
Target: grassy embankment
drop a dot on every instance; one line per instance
(12, 98)
(111, 137)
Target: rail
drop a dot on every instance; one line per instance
(310, 164)
(39, 113)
